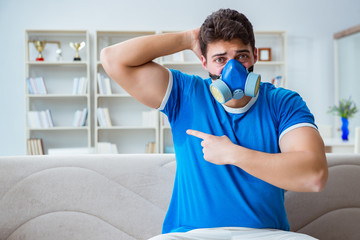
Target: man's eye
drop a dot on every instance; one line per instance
(220, 60)
(243, 58)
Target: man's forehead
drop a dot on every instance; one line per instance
(225, 47)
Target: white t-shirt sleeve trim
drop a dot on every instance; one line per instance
(294, 127)
(168, 91)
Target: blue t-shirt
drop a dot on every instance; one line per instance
(206, 195)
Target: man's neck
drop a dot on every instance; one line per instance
(238, 103)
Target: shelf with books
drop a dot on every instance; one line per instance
(132, 140)
(124, 115)
(125, 111)
(61, 110)
(59, 138)
(57, 82)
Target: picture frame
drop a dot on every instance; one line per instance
(264, 54)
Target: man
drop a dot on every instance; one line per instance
(233, 159)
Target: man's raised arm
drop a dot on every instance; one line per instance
(130, 63)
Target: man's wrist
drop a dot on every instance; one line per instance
(234, 155)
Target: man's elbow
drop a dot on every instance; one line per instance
(319, 179)
(111, 63)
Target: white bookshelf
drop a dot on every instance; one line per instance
(127, 130)
(58, 76)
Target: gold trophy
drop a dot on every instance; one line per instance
(40, 45)
(77, 47)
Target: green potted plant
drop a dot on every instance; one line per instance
(346, 109)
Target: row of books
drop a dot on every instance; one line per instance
(80, 118)
(40, 119)
(104, 84)
(43, 119)
(36, 85)
(104, 119)
(80, 86)
(150, 147)
(35, 146)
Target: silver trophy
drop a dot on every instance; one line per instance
(77, 47)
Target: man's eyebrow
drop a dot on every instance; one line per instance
(224, 53)
(218, 54)
(243, 51)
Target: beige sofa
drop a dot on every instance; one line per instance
(126, 197)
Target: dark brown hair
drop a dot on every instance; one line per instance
(226, 24)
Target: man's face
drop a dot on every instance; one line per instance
(220, 52)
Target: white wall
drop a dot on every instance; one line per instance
(348, 49)
(310, 26)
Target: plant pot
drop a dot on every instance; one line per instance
(345, 129)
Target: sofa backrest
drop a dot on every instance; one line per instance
(84, 197)
(126, 197)
(334, 213)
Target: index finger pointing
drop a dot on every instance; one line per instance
(197, 134)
